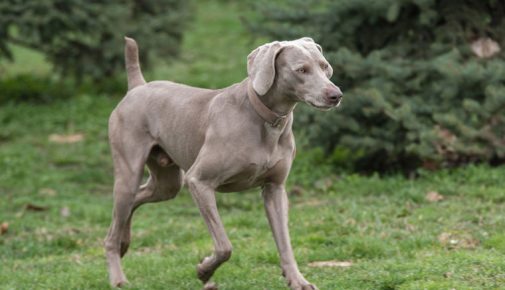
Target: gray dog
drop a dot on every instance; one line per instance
(224, 140)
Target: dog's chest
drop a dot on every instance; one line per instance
(252, 173)
(260, 164)
(257, 164)
(266, 156)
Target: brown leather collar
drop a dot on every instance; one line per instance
(265, 113)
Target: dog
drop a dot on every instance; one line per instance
(224, 140)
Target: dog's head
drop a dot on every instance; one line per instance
(298, 69)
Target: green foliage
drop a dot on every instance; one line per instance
(37, 89)
(85, 39)
(29, 88)
(415, 93)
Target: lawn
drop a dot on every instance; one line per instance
(442, 230)
(57, 201)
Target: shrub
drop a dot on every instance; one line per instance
(34, 89)
(45, 89)
(416, 92)
(85, 38)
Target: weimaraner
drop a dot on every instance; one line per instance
(225, 140)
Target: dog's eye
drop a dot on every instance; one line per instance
(302, 70)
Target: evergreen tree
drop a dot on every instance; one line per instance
(85, 38)
(423, 80)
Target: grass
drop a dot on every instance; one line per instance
(394, 237)
(214, 52)
(25, 61)
(385, 226)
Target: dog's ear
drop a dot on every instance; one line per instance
(261, 66)
(308, 39)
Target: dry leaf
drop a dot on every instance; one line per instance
(409, 227)
(66, 139)
(65, 211)
(77, 259)
(343, 264)
(434, 196)
(47, 191)
(34, 207)
(350, 222)
(443, 238)
(4, 227)
(458, 240)
(44, 234)
(485, 47)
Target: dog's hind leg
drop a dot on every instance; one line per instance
(164, 182)
(129, 154)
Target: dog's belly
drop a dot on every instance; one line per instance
(236, 186)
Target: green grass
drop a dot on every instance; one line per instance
(214, 52)
(394, 237)
(383, 225)
(25, 61)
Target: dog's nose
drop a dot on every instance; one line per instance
(334, 94)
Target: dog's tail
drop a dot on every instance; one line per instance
(133, 72)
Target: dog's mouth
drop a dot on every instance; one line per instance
(324, 107)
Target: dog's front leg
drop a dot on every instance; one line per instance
(276, 206)
(204, 197)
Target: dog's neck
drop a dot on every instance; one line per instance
(277, 101)
(272, 109)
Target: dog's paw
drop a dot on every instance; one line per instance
(210, 286)
(298, 282)
(117, 279)
(204, 270)
(119, 283)
(304, 287)
(309, 287)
